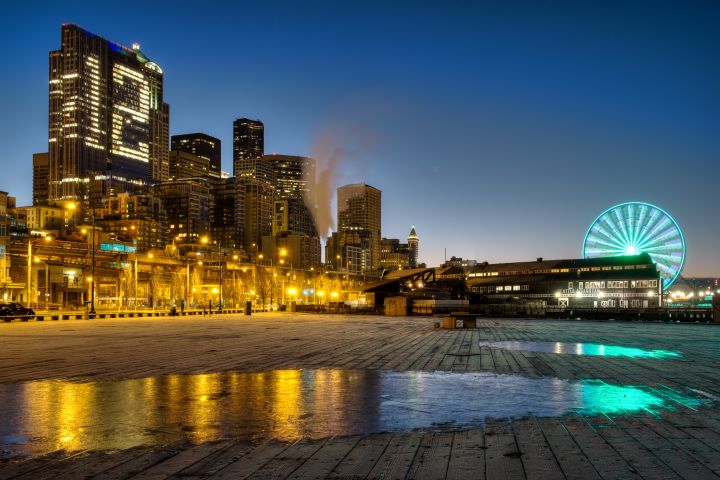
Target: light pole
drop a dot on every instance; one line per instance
(91, 314)
(29, 268)
(133, 228)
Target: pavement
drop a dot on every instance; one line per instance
(281, 395)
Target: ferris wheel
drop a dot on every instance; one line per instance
(637, 227)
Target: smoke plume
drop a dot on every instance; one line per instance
(331, 149)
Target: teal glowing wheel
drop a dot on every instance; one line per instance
(637, 227)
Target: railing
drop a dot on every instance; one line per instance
(584, 313)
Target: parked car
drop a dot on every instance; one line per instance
(11, 310)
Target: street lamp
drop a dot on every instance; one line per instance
(46, 238)
(134, 235)
(205, 240)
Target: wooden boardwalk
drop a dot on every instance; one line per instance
(683, 442)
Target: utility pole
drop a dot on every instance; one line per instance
(92, 269)
(136, 274)
(222, 262)
(29, 272)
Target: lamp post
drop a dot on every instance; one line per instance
(91, 314)
(133, 228)
(29, 268)
(205, 241)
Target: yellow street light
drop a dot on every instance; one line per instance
(83, 231)
(321, 294)
(89, 279)
(334, 294)
(283, 252)
(150, 255)
(36, 259)
(215, 290)
(291, 291)
(200, 262)
(235, 257)
(252, 292)
(204, 240)
(261, 256)
(282, 261)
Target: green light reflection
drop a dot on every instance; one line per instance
(591, 349)
(599, 397)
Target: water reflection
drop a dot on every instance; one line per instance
(595, 349)
(44, 416)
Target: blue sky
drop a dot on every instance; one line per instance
(499, 129)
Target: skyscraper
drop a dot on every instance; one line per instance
(359, 209)
(41, 172)
(107, 119)
(201, 145)
(254, 183)
(292, 175)
(414, 247)
(188, 165)
(248, 143)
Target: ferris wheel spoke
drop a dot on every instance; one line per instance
(641, 222)
(621, 228)
(605, 243)
(656, 230)
(648, 226)
(662, 238)
(605, 238)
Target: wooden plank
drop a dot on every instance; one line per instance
(673, 457)
(16, 467)
(181, 460)
(502, 457)
(251, 462)
(212, 464)
(397, 457)
(431, 461)
(642, 460)
(323, 461)
(537, 457)
(604, 458)
(138, 464)
(573, 462)
(362, 458)
(467, 457)
(285, 463)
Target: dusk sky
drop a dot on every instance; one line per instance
(499, 129)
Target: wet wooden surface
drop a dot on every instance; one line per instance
(680, 443)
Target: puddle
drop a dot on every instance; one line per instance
(593, 349)
(45, 416)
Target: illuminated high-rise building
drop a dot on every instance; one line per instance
(248, 144)
(203, 146)
(413, 242)
(108, 123)
(254, 183)
(359, 210)
(40, 179)
(292, 175)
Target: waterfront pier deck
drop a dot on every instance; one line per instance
(681, 441)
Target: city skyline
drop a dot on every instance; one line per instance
(532, 177)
